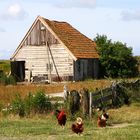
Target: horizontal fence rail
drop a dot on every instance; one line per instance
(114, 95)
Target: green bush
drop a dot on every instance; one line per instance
(41, 102)
(5, 66)
(18, 105)
(11, 80)
(29, 103)
(7, 80)
(37, 103)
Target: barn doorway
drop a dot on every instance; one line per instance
(18, 70)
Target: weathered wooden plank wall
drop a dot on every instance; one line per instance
(39, 35)
(35, 53)
(36, 60)
(85, 68)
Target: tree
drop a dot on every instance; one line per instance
(116, 59)
(138, 60)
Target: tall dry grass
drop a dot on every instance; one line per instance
(8, 92)
(125, 114)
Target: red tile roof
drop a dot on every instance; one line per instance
(80, 45)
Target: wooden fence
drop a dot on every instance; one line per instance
(110, 97)
(102, 98)
(113, 96)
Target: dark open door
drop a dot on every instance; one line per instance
(18, 70)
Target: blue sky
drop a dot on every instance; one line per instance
(118, 19)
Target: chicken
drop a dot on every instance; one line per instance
(78, 126)
(105, 116)
(61, 117)
(101, 122)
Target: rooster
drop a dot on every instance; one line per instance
(61, 117)
(78, 126)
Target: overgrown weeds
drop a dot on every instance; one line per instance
(37, 103)
(7, 80)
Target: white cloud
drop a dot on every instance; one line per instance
(14, 12)
(75, 3)
(131, 15)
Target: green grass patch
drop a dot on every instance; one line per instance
(124, 124)
(46, 129)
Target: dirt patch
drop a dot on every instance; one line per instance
(121, 125)
(52, 137)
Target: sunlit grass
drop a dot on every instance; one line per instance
(124, 124)
(125, 114)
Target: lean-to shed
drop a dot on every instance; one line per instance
(54, 51)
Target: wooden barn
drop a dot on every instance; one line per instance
(54, 51)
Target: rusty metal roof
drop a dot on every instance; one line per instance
(80, 45)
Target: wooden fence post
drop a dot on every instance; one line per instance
(85, 101)
(90, 105)
(66, 93)
(74, 101)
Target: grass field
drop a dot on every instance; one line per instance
(124, 124)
